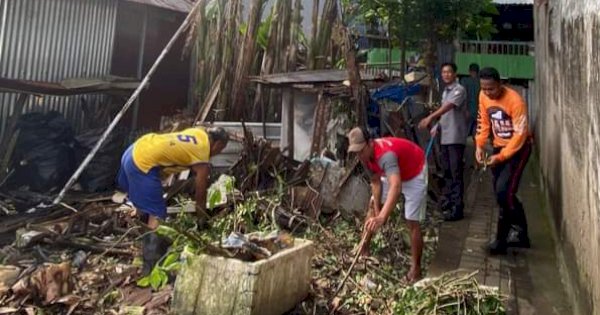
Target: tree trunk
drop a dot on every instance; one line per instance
(357, 89)
(244, 62)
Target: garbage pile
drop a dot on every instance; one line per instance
(255, 246)
(82, 262)
(82, 257)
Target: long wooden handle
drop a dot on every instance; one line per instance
(361, 245)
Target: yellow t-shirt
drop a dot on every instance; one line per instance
(173, 152)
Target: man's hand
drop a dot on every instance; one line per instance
(479, 155)
(202, 171)
(433, 131)
(374, 223)
(493, 160)
(374, 207)
(425, 122)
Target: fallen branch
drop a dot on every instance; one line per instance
(88, 247)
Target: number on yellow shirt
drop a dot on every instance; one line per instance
(187, 138)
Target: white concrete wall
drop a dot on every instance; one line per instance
(567, 110)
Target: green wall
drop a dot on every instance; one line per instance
(510, 66)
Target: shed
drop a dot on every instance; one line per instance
(53, 40)
(308, 95)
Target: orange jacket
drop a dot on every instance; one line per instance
(507, 117)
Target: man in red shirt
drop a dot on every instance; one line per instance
(396, 166)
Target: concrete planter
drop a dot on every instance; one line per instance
(209, 285)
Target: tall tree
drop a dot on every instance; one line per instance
(414, 22)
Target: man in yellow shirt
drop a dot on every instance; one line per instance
(154, 155)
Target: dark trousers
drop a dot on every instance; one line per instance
(507, 176)
(453, 167)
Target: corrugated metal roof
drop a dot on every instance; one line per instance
(307, 77)
(175, 5)
(52, 40)
(523, 2)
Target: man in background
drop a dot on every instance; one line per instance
(453, 129)
(471, 85)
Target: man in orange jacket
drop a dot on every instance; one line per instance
(504, 111)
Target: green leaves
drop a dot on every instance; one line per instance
(451, 293)
(213, 198)
(157, 279)
(168, 232)
(159, 276)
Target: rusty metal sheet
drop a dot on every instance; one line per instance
(175, 5)
(314, 76)
(52, 88)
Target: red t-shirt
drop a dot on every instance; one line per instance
(410, 157)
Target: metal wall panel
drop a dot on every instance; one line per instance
(232, 152)
(52, 40)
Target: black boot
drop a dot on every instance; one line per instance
(499, 246)
(153, 248)
(454, 214)
(518, 237)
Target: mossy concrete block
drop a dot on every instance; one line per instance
(209, 285)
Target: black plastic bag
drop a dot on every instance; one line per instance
(44, 158)
(101, 173)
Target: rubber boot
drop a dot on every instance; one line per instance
(499, 246)
(454, 214)
(153, 248)
(518, 237)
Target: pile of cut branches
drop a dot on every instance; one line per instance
(451, 293)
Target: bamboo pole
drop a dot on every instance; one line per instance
(267, 62)
(244, 61)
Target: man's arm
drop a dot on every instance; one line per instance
(455, 99)
(376, 193)
(520, 134)
(483, 124)
(425, 122)
(389, 164)
(483, 130)
(395, 187)
(202, 172)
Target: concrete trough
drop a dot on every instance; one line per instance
(209, 285)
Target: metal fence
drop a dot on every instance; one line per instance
(390, 70)
(51, 40)
(497, 47)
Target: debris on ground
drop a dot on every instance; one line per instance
(77, 263)
(374, 281)
(82, 257)
(451, 293)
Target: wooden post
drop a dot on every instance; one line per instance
(358, 91)
(10, 137)
(321, 117)
(290, 122)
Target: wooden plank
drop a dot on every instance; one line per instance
(290, 122)
(320, 124)
(210, 100)
(10, 136)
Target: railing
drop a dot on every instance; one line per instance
(497, 48)
(381, 68)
